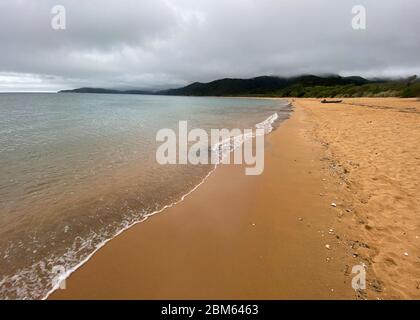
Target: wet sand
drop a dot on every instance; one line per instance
(236, 236)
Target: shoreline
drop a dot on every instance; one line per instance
(278, 235)
(78, 286)
(273, 126)
(71, 271)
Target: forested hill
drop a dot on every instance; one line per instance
(302, 86)
(260, 85)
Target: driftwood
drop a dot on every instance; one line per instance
(331, 101)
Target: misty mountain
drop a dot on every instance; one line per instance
(259, 85)
(301, 86)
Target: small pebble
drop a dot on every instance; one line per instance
(327, 246)
(333, 204)
(406, 254)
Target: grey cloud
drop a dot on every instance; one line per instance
(162, 43)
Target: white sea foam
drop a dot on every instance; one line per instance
(224, 148)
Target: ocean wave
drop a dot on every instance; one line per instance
(222, 149)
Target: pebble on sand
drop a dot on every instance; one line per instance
(406, 254)
(327, 246)
(333, 204)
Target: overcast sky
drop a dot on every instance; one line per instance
(168, 43)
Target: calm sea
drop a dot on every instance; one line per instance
(77, 169)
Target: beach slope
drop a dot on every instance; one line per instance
(273, 236)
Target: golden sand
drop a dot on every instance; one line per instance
(374, 146)
(277, 236)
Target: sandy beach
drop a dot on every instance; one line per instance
(116, 121)
(373, 146)
(278, 236)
